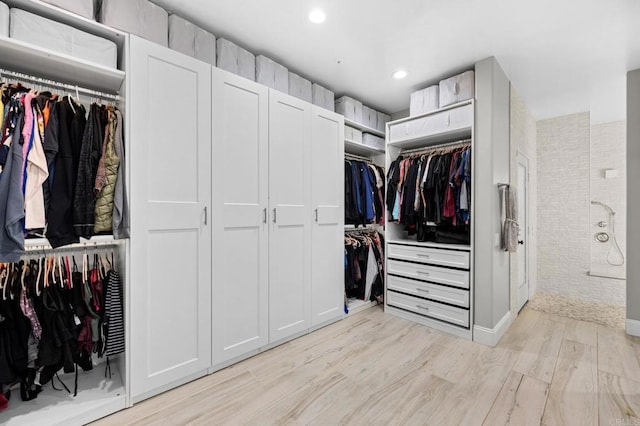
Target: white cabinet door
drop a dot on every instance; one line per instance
(169, 116)
(327, 253)
(240, 232)
(290, 211)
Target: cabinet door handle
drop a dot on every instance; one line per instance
(316, 213)
(264, 215)
(274, 215)
(206, 219)
(422, 273)
(422, 255)
(422, 290)
(422, 307)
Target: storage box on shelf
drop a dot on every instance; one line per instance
(425, 100)
(235, 59)
(383, 119)
(300, 87)
(323, 97)
(271, 74)
(4, 20)
(456, 89)
(373, 141)
(139, 17)
(191, 40)
(83, 8)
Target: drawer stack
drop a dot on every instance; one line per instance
(432, 282)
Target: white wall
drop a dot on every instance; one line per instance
(564, 223)
(523, 141)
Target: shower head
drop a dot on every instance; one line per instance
(607, 207)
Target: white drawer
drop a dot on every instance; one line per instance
(435, 292)
(451, 258)
(457, 316)
(434, 274)
(433, 124)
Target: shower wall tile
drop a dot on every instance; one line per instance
(564, 228)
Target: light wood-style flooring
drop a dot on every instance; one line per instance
(373, 368)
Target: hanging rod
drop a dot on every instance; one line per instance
(57, 84)
(437, 147)
(357, 157)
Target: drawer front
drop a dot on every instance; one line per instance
(435, 292)
(450, 277)
(451, 258)
(457, 316)
(433, 124)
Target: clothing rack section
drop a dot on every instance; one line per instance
(429, 193)
(364, 190)
(364, 269)
(60, 313)
(62, 173)
(69, 88)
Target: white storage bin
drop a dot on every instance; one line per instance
(34, 29)
(383, 119)
(139, 17)
(352, 134)
(323, 97)
(300, 87)
(350, 108)
(369, 117)
(235, 59)
(373, 141)
(272, 74)
(191, 40)
(457, 88)
(79, 7)
(425, 100)
(4, 20)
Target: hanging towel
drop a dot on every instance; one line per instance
(510, 226)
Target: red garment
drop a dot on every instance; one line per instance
(449, 207)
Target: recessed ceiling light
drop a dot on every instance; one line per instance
(400, 74)
(317, 16)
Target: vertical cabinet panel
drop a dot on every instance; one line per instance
(290, 208)
(170, 134)
(240, 232)
(327, 151)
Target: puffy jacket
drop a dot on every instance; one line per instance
(105, 184)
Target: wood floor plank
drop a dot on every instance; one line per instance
(619, 400)
(573, 396)
(581, 331)
(518, 334)
(617, 353)
(520, 402)
(539, 355)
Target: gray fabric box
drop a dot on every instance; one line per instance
(425, 100)
(233, 58)
(352, 134)
(457, 88)
(373, 141)
(323, 97)
(139, 17)
(383, 119)
(205, 46)
(350, 108)
(4, 20)
(272, 74)
(191, 40)
(34, 29)
(369, 117)
(79, 7)
(300, 87)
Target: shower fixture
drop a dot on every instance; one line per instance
(603, 237)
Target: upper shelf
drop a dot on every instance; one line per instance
(16, 55)
(446, 124)
(80, 22)
(358, 148)
(364, 128)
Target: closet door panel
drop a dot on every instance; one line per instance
(240, 230)
(169, 322)
(290, 207)
(327, 151)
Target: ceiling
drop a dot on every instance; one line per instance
(561, 56)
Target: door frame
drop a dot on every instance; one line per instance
(523, 159)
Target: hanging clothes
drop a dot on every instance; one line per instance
(364, 265)
(364, 189)
(105, 184)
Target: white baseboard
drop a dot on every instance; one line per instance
(633, 327)
(491, 336)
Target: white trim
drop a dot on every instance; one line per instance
(633, 327)
(491, 336)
